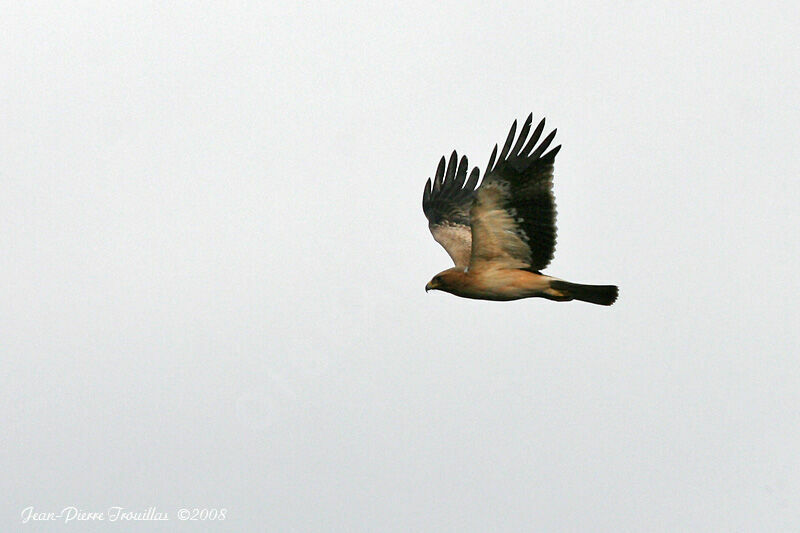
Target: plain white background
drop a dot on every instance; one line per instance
(213, 263)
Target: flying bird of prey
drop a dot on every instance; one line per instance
(501, 234)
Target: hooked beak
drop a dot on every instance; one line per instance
(429, 286)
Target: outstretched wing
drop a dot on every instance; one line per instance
(514, 213)
(447, 203)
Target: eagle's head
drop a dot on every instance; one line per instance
(446, 281)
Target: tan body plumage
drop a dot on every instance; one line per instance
(502, 234)
(494, 283)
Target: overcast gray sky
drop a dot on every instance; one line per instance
(214, 257)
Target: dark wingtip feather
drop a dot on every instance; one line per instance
(533, 140)
(426, 197)
(451, 166)
(552, 153)
(509, 140)
(440, 168)
(473, 179)
(490, 166)
(437, 182)
(523, 134)
(461, 173)
(545, 143)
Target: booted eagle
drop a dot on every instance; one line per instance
(501, 234)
